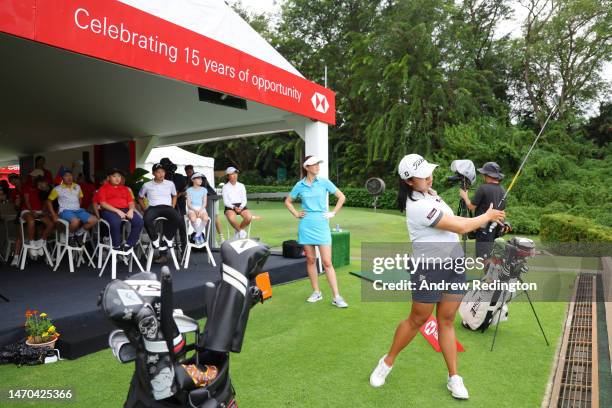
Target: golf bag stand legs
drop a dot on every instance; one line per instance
(534, 314)
(499, 312)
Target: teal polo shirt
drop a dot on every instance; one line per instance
(314, 196)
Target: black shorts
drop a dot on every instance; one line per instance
(235, 205)
(436, 274)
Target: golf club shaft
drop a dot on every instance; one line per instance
(526, 156)
(493, 224)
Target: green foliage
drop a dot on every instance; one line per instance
(584, 236)
(434, 77)
(136, 179)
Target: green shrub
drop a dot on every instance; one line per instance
(573, 235)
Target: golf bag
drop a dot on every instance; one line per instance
(152, 333)
(481, 308)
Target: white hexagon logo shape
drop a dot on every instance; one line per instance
(319, 102)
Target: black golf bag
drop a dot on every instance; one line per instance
(152, 333)
(481, 308)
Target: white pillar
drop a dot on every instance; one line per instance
(316, 144)
(144, 145)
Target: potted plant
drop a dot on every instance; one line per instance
(40, 329)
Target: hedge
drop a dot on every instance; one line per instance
(573, 235)
(355, 197)
(524, 219)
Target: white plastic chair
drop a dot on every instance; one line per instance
(190, 245)
(63, 246)
(25, 247)
(228, 226)
(101, 244)
(113, 253)
(152, 250)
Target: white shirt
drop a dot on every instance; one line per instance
(234, 194)
(422, 216)
(158, 193)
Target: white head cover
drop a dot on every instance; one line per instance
(414, 165)
(465, 168)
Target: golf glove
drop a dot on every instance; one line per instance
(329, 215)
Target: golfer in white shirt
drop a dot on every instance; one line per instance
(433, 229)
(235, 201)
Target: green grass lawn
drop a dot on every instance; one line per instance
(314, 355)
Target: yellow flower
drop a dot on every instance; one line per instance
(51, 329)
(43, 315)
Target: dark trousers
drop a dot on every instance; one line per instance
(170, 226)
(484, 243)
(114, 221)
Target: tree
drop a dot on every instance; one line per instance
(560, 55)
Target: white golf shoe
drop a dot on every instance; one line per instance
(380, 373)
(456, 387)
(339, 301)
(315, 297)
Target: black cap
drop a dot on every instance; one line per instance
(491, 169)
(116, 170)
(157, 166)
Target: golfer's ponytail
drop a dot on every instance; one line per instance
(404, 192)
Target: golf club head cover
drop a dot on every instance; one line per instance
(241, 261)
(133, 306)
(123, 349)
(120, 303)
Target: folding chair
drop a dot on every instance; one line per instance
(152, 249)
(26, 246)
(63, 247)
(190, 245)
(113, 253)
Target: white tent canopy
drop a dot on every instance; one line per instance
(182, 157)
(132, 70)
(216, 20)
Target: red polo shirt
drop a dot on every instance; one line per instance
(117, 196)
(32, 195)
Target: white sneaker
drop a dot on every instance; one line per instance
(221, 238)
(315, 297)
(339, 301)
(15, 262)
(242, 234)
(456, 387)
(380, 373)
(237, 235)
(41, 243)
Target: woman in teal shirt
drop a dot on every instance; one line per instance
(313, 229)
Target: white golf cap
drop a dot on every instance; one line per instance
(414, 165)
(231, 170)
(312, 160)
(196, 175)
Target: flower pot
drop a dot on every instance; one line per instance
(49, 344)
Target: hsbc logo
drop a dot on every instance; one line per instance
(319, 102)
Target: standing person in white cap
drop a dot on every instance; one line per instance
(433, 230)
(313, 229)
(235, 201)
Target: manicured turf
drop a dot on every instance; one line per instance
(314, 355)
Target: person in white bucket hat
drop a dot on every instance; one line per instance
(433, 230)
(313, 229)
